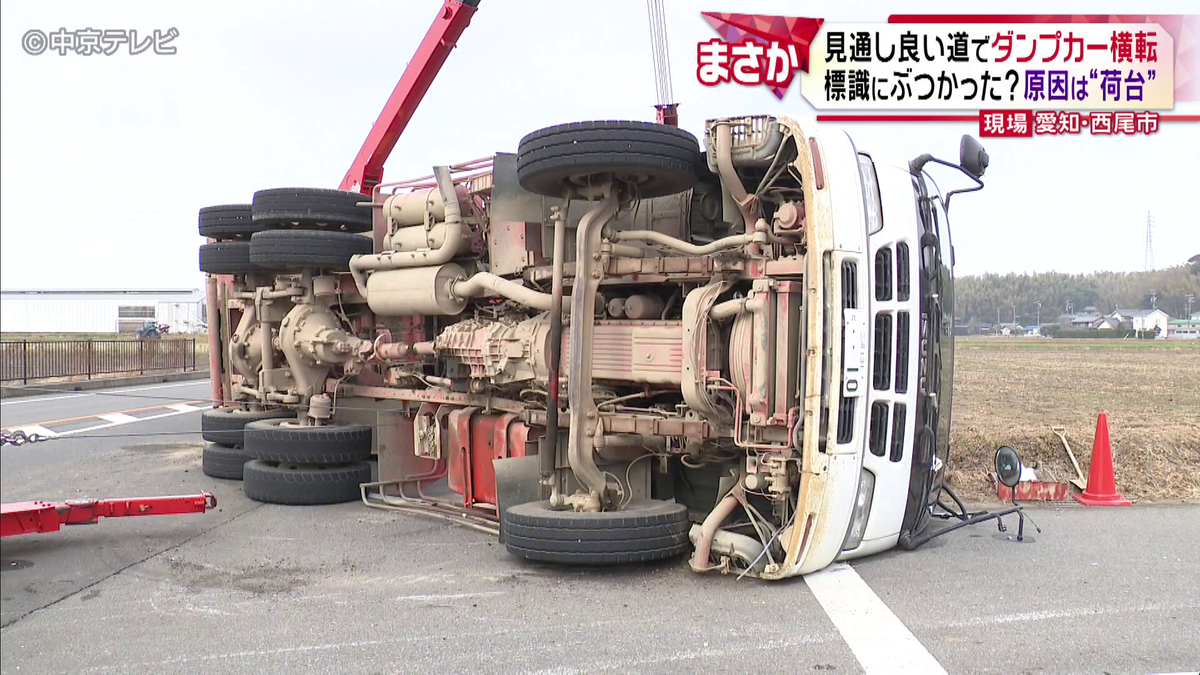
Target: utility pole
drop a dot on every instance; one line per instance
(1190, 299)
(1153, 299)
(1039, 316)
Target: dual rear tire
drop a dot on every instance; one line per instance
(220, 461)
(306, 465)
(304, 485)
(281, 462)
(285, 229)
(224, 456)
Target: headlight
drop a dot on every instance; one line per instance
(871, 201)
(862, 511)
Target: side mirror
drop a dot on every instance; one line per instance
(1008, 466)
(972, 157)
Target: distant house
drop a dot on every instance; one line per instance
(1106, 323)
(1085, 320)
(1184, 329)
(1143, 320)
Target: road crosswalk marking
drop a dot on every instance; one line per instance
(876, 636)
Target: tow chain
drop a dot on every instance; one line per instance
(19, 437)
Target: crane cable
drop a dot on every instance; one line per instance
(660, 51)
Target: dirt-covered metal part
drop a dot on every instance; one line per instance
(583, 415)
(452, 235)
(314, 340)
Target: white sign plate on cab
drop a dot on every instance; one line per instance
(854, 356)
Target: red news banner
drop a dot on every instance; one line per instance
(1024, 75)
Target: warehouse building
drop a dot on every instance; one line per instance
(100, 311)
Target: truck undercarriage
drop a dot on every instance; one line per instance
(687, 321)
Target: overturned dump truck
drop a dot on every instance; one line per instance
(619, 344)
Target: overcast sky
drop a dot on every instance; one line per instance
(106, 159)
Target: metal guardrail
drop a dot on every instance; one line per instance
(27, 360)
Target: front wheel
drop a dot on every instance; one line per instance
(644, 531)
(656, 159)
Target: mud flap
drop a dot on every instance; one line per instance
(517, 482)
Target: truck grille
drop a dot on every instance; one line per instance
(883, 274)
(902, 282)
(845, 428)
(879, 424)
(883, 352)
(899, 414)
(849, 285)
(845, 418)
(901, 352)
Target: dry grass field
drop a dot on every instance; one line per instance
(1012, 391)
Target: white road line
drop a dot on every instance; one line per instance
(118, 418)
(108, 425)
(32, 429)
(183, 407)
(878, 639)
(99, 392)
(136, 419)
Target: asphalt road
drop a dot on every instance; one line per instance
(252, 587)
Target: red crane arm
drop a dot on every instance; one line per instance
(367, 170)
(33, 517)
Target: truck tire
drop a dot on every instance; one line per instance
(643, 531)
(225, 425)
(657, 159)
(219, 461)
(282, 440)
(297, 249)
(304, 485)
(228, 257)
(312, 207)
(227, 221)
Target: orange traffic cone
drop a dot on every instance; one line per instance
(1102, 485)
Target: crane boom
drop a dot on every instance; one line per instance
(367, 170)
